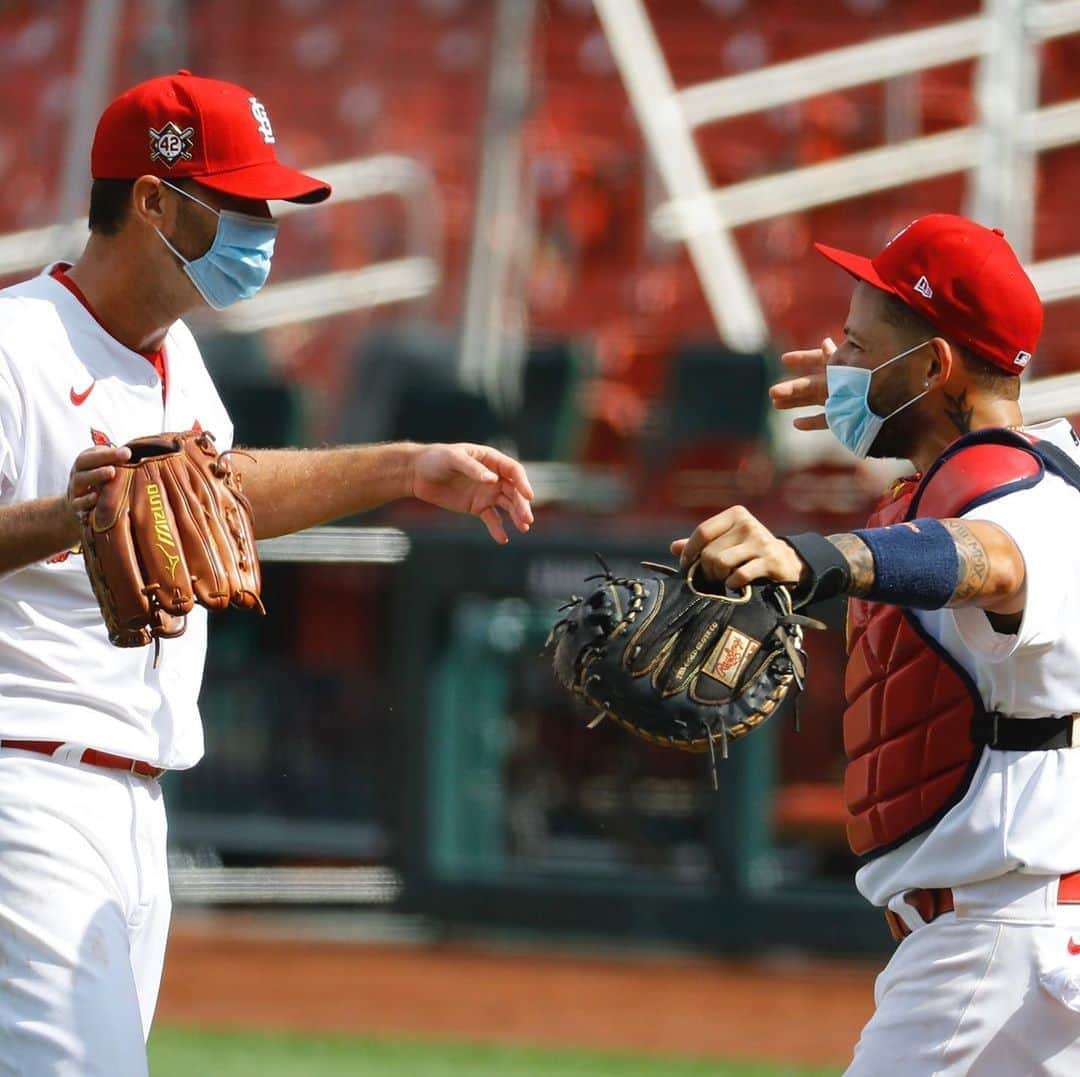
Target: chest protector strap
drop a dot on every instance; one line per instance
(910, 705)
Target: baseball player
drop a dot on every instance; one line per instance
(92, 355)
(963, 676)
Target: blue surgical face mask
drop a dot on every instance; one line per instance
(847, 408)
(238, 262)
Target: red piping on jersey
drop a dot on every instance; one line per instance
(155, 358)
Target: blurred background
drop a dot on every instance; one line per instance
(580, 230)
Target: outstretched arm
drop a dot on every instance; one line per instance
(291, 489)
(989, 572)
(921, 565)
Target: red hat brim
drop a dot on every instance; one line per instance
(268, 181)
(857, 265)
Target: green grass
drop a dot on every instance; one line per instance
(176, 1052)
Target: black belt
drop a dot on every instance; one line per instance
(999, 731)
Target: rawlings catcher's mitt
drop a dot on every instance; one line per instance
(677, 665)
(170, 529)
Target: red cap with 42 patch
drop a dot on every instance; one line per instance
(964, 279)
(182, 126)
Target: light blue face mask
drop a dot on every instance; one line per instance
(847, 408)
(238, 262)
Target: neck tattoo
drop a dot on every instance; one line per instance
(958, 411)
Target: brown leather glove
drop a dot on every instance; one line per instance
(171, 529)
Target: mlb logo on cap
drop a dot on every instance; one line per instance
(181, 126)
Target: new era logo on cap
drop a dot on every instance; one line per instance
(981, 298)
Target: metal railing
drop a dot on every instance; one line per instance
(996, 152)
(322, 294)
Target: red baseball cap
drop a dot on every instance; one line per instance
(964, 279)
(182, 126)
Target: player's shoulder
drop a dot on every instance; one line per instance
(27, 308)
(30, 292)
(998, 463)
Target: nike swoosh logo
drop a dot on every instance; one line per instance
(80, 398)
(1074, 947)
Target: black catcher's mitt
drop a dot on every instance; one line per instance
(678, 665)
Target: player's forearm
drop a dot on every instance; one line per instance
(291, 489)
(34, 530)
(988, 572)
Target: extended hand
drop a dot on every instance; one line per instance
(736, 547)
(808, 387)
(475, 479)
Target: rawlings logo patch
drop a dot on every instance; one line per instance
(171, 144)
(731, 656)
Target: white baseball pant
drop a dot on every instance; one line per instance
(990, 990)
(84, 916)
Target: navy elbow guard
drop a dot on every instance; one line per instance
(915, 564)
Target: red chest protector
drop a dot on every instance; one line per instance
(907, 727)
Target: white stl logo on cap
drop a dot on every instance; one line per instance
(170, 144)
(262, 118)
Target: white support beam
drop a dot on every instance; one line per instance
(356, 545)
(855, 65)
(1052, 127)
(859, 174)
(732, 301)
(319, 296)
(816, 185)
(396, 281)
(1056, 18)
(870, 61)
(1056, 278)
(1001, 186)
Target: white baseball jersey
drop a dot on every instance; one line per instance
(1022, 810)
(65, 384)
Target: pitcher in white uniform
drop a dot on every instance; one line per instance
(92, 355)
(963, 679)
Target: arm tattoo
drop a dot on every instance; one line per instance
(860, 562)
(973, 575)
(959, 412)
(974, 571)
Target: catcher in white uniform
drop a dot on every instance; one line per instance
(91, 356)
(963, 678)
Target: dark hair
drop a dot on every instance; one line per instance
(110, 200)
(984, 374)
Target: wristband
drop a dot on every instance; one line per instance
(829, 572)
(915, 564)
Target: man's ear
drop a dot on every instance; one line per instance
(941, 362)
(150, 205)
